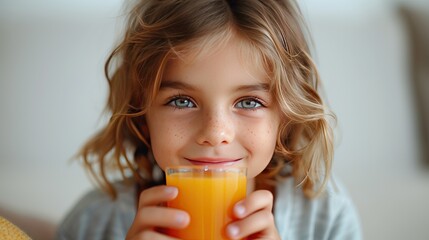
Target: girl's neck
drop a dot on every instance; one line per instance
(250, 185)
(256, 183)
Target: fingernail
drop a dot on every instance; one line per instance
(239, 209)
(181, 218)
(170, 190)
(233, 230)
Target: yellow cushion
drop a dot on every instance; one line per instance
(8, 231)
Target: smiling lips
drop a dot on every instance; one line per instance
(213, 161)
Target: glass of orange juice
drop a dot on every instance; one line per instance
(208, 194)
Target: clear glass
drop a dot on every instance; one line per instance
(208, 195)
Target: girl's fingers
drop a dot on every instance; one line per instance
(151, 235)
(150, 215)
(256, 201)
(255, 217)
(149, 218)
(259, 224)
(157, 195)
(161, 217)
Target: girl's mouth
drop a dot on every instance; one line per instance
(214, 161)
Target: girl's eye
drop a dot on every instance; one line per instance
(249, 103)
(181, 102)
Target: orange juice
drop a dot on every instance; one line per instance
(208, 195)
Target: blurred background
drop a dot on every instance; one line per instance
(373, 59)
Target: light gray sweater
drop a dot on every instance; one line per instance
(332, 216)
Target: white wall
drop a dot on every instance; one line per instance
(52, 92)
(364, 60)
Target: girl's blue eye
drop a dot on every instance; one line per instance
(249, 104)
(181, 102)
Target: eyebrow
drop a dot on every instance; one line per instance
(255, 87)
(176, 85)
(184, 86)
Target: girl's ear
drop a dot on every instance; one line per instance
(141, 130)
(144, 129)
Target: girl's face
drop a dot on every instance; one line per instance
(214, 110)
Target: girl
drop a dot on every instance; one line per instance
(214, 82)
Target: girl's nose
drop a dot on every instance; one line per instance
(216, 128)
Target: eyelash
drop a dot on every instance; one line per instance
(189, 101)
(171, 101)
(260, 103)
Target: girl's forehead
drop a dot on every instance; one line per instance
(250, 56)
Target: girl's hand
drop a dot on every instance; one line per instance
(255, 218)
(151, 217)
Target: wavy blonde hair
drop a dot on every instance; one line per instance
(159, 30)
